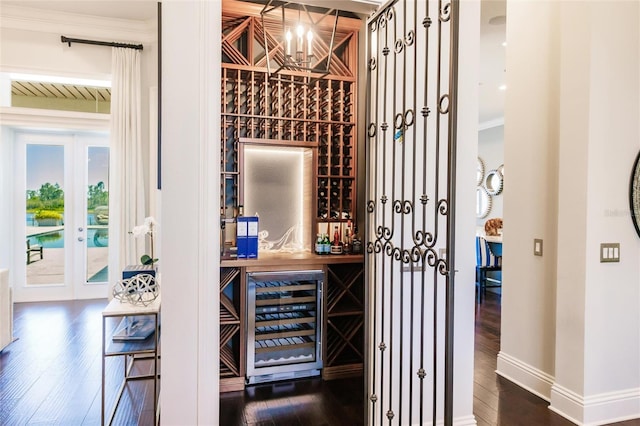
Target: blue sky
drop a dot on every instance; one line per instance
(45, 163)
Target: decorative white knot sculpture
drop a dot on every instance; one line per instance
(140, 289)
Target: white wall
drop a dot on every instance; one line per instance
(189, 209)
(570, 327)
(30, 43)
(530, 200)
(6, 196)
(491, 151)
(468, 77)
(605, 382)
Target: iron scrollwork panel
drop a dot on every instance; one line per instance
(410, 144)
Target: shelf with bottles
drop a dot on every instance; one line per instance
(337, 238)
(286, 109)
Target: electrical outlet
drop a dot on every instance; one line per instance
(537, 247)
(609, 252)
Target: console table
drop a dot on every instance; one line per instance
(125, 340)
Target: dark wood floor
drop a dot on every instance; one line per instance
(52, 375)
(497, 401)
(340, 403)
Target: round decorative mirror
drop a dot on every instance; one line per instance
(493, 182)
(480, 172)
(501, 170)
(634, 194)
(483, 202)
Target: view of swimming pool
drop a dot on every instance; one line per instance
(96, 237)
(31, 221)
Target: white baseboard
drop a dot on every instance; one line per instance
(469, 420)
(597, 409)
(524, 375)
(465, 421)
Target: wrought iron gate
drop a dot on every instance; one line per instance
(411, 153)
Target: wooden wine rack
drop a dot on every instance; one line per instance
(344, 317)
(293, 108)
(232, 332)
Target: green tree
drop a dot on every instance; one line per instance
(33, 200)
(52, 196)
(97, 195)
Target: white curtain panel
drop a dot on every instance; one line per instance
(127, 196)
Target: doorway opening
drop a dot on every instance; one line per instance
(63, 216)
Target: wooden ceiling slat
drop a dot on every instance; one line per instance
(66, 89)
(40, 91)
(16, 90)
(60, 91)
(104, 95)
(83, 91)
(61, 94)
(91, 94)
(74, 91)
(49, 89)
(25, 88)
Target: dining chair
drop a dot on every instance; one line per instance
(487, 260)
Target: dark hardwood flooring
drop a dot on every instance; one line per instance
(52, 376)
(497, 401)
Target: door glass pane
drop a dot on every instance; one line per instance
(45, 247)
(97, 214)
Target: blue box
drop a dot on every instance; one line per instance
(247, 237)
(131, 270)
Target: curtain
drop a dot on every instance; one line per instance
(127, 196)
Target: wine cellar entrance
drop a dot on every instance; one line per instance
(290, 310)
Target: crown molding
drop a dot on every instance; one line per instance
(491, 124)
(77, 25)
(53, 119)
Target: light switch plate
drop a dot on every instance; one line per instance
(537, 247)
(442, 254)
(609, 252)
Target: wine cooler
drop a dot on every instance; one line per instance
(284, 325)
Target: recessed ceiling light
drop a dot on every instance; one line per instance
(502, 87)
(504, 44)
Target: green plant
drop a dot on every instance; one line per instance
(47, 214)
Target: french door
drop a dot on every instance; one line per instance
(61, 233)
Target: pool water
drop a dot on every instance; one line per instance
(96, 237)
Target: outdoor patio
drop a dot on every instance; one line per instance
(50, 270)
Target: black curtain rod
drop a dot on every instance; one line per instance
(99, 43)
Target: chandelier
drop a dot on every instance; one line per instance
(301, 47)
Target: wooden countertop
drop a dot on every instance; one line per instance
(300, 258)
